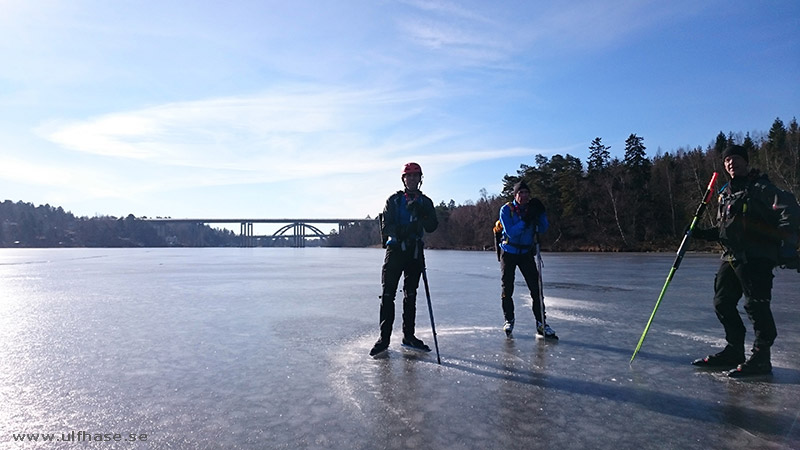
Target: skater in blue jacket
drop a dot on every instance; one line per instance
(521, 220)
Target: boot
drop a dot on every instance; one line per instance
(545, 331)
(380, 346)
(757, 364)
(728, 357)
(414, 343)
(508, 327)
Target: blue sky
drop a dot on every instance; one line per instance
(272, 109)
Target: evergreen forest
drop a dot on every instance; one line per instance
(635, 203)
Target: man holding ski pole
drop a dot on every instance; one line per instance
(751, 227)
(408, 214)
(520, 220)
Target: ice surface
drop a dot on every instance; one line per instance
(268, 348)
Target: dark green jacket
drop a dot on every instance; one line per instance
(752, 223)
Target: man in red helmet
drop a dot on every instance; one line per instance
(408, 214)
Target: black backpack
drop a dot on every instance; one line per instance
(788, 257)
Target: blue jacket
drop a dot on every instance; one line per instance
(517, 235)
(406, 217)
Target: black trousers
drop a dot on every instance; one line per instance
(407, 263)
(753, 280)
(527, 266)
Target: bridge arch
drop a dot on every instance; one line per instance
(299, 233)
(299, 228)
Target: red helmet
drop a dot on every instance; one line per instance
(412, 167)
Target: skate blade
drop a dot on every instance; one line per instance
(416, 349)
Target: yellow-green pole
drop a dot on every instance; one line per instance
(678, 259)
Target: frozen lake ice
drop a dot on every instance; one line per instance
(267, 348)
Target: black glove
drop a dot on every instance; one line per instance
(706, 234)
(415, 207)
(533, 211)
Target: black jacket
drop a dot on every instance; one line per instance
(752, 223)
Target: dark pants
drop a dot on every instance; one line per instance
(754, 280)
(408, 263)
(508, 265)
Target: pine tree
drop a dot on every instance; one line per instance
(636, 161)
(720, 143)
(599, 156)
(793, 148)
(748, 144)
(637, 170)
(778, 161)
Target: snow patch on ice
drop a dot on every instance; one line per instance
(711, 340)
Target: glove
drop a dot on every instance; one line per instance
(391, 242)
(534, 210)
(415, 208)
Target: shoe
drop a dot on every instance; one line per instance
(545, 330)
(379, 347)
(508, 327)
(728, 357)
(757, 364)
(414, 343)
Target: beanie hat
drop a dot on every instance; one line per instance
(734, 149)
(520, 186)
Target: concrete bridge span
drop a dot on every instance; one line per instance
(297, 230)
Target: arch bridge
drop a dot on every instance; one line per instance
(296, 230)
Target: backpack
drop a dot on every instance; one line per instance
(497, 230)
(788, 257)
(384, 237)
(382, 218)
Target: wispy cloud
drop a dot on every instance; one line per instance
(448, 9)
(234, 132)
(469, 35)
(285, 135)
(490, 32)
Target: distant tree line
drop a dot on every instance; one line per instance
(357, 234)
(26, 225)
(611, 204)
(631, 204)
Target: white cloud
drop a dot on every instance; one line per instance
(223, 132)
(449, 9)
(486, 32)
(292, 134)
